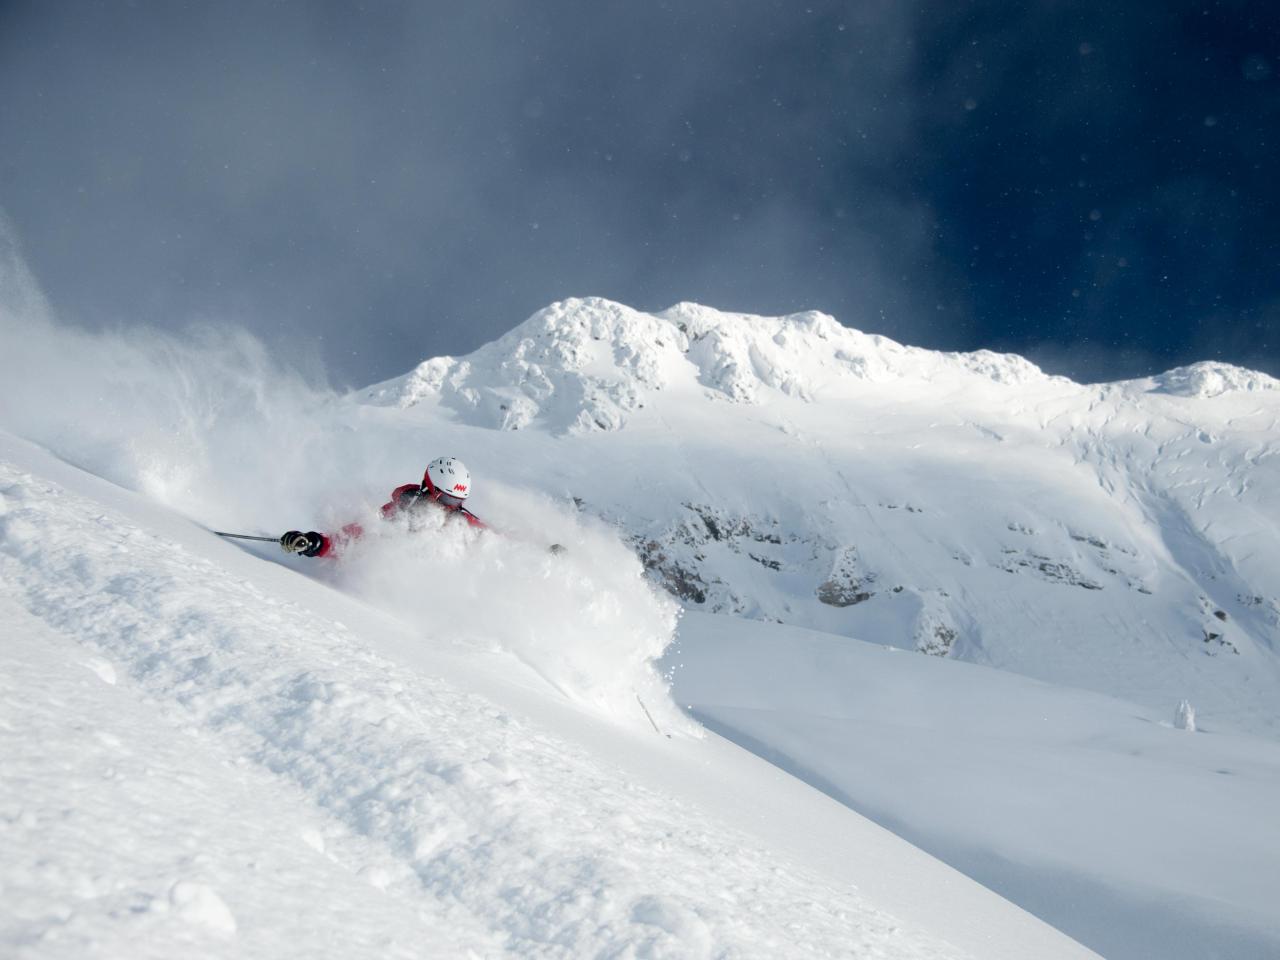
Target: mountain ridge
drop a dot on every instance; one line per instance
(585, 364)
(1117, 537)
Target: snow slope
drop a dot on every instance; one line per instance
(1119, 538)
(1137, 838)
(1114, 538)
(235, 760)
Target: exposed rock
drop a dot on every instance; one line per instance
(843, 594)
(1053, 571)
(847, 585)
(678, 580)
(938, 642)
(1215, 643)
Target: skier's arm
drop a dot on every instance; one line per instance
(315, 544)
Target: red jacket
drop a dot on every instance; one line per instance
(411, 496)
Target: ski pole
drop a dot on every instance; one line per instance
(247, 536)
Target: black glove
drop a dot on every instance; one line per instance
(558, 548)
(307, 544)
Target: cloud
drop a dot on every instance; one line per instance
(380, 185)
(411, 179)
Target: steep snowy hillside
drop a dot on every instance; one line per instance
(1119, 537)
(210, 755)
(1116, 538)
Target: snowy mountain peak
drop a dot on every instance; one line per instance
(577, 365)
(1212, 379)
(582, 365)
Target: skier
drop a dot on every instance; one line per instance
(445, 485)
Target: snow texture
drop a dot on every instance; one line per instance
(1118, 828)
(264, 759)
(1111, 541)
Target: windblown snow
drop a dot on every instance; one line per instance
(451, 734)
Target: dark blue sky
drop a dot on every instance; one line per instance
(1089, 183)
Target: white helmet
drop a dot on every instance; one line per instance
(448, 475)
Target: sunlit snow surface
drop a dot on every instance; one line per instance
(1137, 838)
(1116, 538)
(210, 755)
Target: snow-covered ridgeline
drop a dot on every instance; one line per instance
(582, 365)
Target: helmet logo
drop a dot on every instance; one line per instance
(460, 487)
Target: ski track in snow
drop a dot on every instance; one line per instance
(439, 817)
